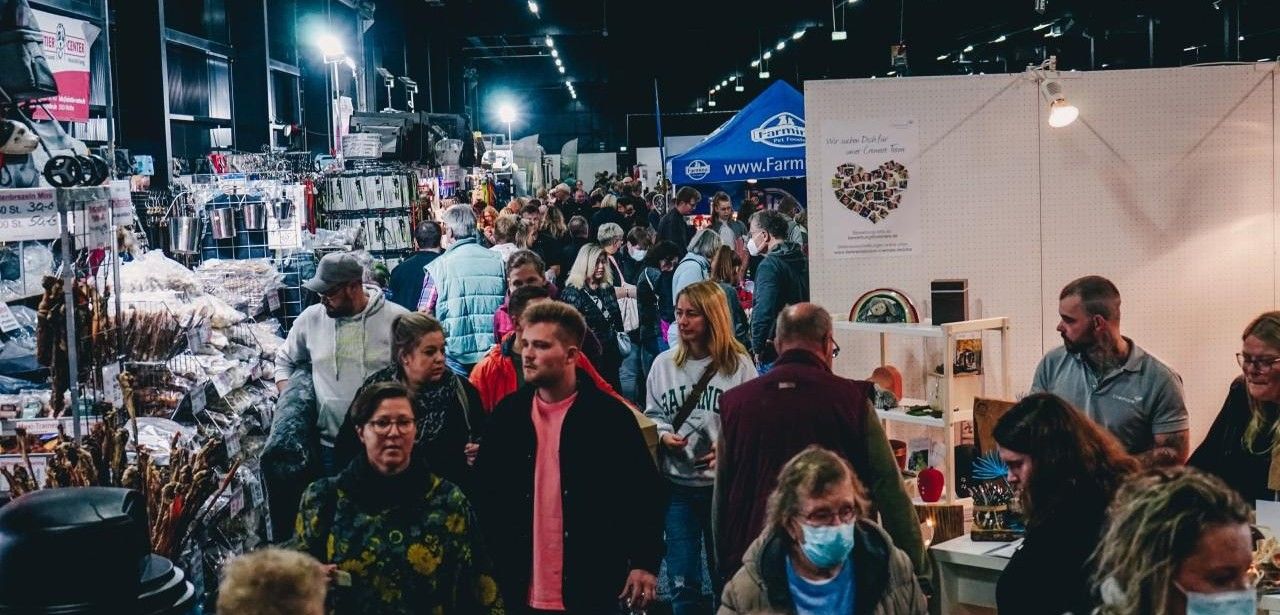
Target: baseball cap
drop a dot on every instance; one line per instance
(335, 270)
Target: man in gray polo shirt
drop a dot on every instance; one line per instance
(1113, 381)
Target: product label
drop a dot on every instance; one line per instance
(28, 214)
(197, 397)
(111, 384)
(8, 323)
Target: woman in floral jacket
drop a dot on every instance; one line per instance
(406, 538)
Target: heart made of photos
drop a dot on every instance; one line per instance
(871, 194)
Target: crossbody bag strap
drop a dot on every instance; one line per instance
(686, 408)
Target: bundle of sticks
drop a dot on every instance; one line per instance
(176, 492)
(93, 325)
(21, 478)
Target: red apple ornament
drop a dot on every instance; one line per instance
(931, 481)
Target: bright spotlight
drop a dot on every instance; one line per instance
(781, 45)
(561, 69)
(767, 55)
(533, 7)
(755, 63)
(968, 49)
(555, 53)
(1061, 113)
(559, 63)
(798, 35)
(330, 45)
(549, 42)
(507, 113)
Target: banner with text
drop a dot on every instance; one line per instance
(867, 208)
(67, 43)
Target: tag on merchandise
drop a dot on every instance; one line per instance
(273, 299)
(111, 384)
(197, 397)
(8, 323)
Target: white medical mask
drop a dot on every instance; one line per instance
(752, 247)
(637, 254)
(1240, 602)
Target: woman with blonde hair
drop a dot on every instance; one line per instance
(554, 223)
(272, 581)
(1177, 541)
(726, 269)
(683, 398)
(1239, 446)
(589, 288)
(819, 552)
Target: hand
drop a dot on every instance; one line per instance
(641, 589)
(709, 460)
(620, 292)
(329, 571)
(673, 441)
(471, 450)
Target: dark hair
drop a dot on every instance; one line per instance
(1099, 296)
(640, 236)
(532, 207)
(721, 196)
(1074, 462)
(409, 329)
(572, 327)
(427, 235)
(746, 207)
(520, 258)
(521, 297)
(771, 222)
(688, 194)
(661, 251)
(788, 205)
(507, 228)
(371, 396)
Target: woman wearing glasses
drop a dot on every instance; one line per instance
(1238, 448)
(447, 408)
(396, 537)
(819, 553)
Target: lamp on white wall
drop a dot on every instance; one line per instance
(1061, 112)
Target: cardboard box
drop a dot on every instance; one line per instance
(650, 431)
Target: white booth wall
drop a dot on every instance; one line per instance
(1166, 185)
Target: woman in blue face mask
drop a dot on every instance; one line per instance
(1178, 541)
(818, 554)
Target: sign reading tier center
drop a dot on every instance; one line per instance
(66, 48)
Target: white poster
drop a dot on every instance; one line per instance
(868, 207)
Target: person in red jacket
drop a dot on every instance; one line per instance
(498, 374)
(800, 403)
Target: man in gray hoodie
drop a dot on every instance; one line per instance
(340, 341)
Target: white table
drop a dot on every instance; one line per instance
(967, 573)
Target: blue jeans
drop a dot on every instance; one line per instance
(688, 534)
(635, 370)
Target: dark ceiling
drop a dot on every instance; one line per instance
(614, 50)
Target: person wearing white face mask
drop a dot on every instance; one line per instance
(782, 279)
(1178, 542)
(819, 553)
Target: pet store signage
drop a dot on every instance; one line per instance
(868, 207)
(27, 214)
(67, 43)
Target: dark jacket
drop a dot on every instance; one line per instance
(767, 421)
(569, 253)
(613, 498)
(883, 581)
(605, 215)
(781, 280)
(649, 303)
(406, 279)
(1049, 574)
(1223, 454)
(551, 249)
(410, 543)
(444, 429)
(673, 228)
(291, 456)
(605, 323)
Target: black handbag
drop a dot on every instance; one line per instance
(24, 72)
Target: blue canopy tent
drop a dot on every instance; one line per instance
(765, 140)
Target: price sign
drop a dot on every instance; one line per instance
(198, 335)
(28, 214)
(198, 401)
(97, 226)
(237, 501)
(111, 385)
(121, 203)
(8, 323)
(222, 383)
(233, 443)
(273, 299)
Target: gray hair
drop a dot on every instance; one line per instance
(608, 232)
(705, 243)
(460, 220)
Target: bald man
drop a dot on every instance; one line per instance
(799, 403)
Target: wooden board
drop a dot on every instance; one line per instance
(986, 413)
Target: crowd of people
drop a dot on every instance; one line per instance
(477, 440)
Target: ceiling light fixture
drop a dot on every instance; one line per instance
(755, 63)
(559, 63)
(968, 49)
(737, 87)
(798, 35)
(1000, 39)
(561, 69)
(1061, 113)
(555, 53)
(767, 55)
(943, 57)
(838, 32)
(533, 7)
(781, 45)
(1041, 27)
(839, 35)
(711, 103)
(549, 42)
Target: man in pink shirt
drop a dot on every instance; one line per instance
(571, 502)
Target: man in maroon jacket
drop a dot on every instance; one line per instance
(768, 420)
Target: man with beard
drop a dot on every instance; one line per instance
(340, 341)
(1113, 381)
(571, 501)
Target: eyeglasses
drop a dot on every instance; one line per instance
(823, 516)
(835, 349)
(383, 427)
(1261, 364)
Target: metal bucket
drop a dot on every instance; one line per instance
(255, 215)
(282, 208)
(223, 221)
(184, 234)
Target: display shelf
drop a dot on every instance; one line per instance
(949, 393)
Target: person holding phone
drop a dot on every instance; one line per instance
(684, 389)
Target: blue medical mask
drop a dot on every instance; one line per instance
(826, 546)
(1240, 602)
